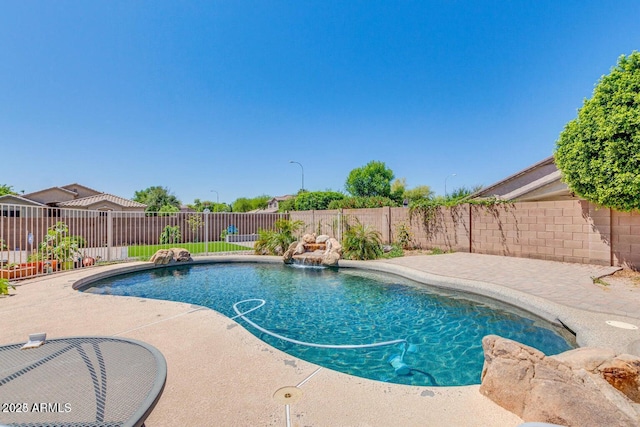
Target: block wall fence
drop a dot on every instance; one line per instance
(570, 231)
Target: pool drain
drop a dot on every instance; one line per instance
(622, 325)
(287, 395)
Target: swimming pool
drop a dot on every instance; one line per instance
(441, 330)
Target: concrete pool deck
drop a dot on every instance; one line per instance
(220, 374)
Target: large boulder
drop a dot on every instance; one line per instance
(181, 255)
(322, 238)
(569, 389)
(167, 256)
(162, 256)
(332, 245)
(309, 238)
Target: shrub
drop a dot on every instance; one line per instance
(318, 200)
(361, 242)
(395, 252)
(598, 151)
(362, 203)
(404, 236)
(277, 240)
(4, 286)
(170, 235)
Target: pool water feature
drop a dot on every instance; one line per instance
(439, 331)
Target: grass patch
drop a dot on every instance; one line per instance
(395, 252)
(599, 281)
(147, 251)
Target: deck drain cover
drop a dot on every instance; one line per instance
(622, 325)
(287, 395)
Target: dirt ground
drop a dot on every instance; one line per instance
(623, 278)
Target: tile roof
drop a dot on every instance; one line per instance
(104, 197)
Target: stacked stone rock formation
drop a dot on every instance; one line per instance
(167, 256)
(315, 250)
(583, 387)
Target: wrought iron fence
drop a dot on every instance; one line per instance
(38, 240)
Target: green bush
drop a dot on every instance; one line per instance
(170, 235)
(361, 242)
(395, 252)
(4, 286)
(287, 205)
(404, 236)
(362, 203)
(373, 179)
(316, 200)
(598, 151)
(277, 240)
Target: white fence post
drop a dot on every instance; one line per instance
(109, 234)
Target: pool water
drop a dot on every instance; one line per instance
(444, 329)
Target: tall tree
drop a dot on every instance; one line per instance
(6, 189)
(200, 205)
(421, 192)
(244, 204)
(373, 179)
(598, 153)
(156, 197)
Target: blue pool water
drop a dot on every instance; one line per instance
(443, 329)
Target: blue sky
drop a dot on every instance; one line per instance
(221, 95)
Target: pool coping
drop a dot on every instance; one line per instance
(589, 327)
(53, 304)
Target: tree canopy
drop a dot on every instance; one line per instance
(156, 197)
(200, 205)
(598, 153)
(373, 179)
(418, 193)
(6, 189)
(244, 204)
(316, 200)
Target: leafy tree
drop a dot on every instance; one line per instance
(398, 189)
(318, 200)
(373, 179)
(599, 151)
(6, 189)
(287, 205)
(459, 194)
(195, 223)
(362, 203)
(155, 198)
(200, 206)
(418, 193)
(168, 210)
(244, 204)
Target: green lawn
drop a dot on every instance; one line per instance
(194, 248)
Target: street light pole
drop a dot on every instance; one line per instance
(217, 196)
(445, 183)
(301, 167)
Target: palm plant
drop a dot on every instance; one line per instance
(276, 241)
(361, 242)
(5, 286)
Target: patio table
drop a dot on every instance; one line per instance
(80, 381)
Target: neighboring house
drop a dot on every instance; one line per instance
(539, 182)
(274, 204)
(72, 196)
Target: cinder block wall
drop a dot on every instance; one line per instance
(569, 231)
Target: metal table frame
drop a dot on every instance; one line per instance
(98, 374)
